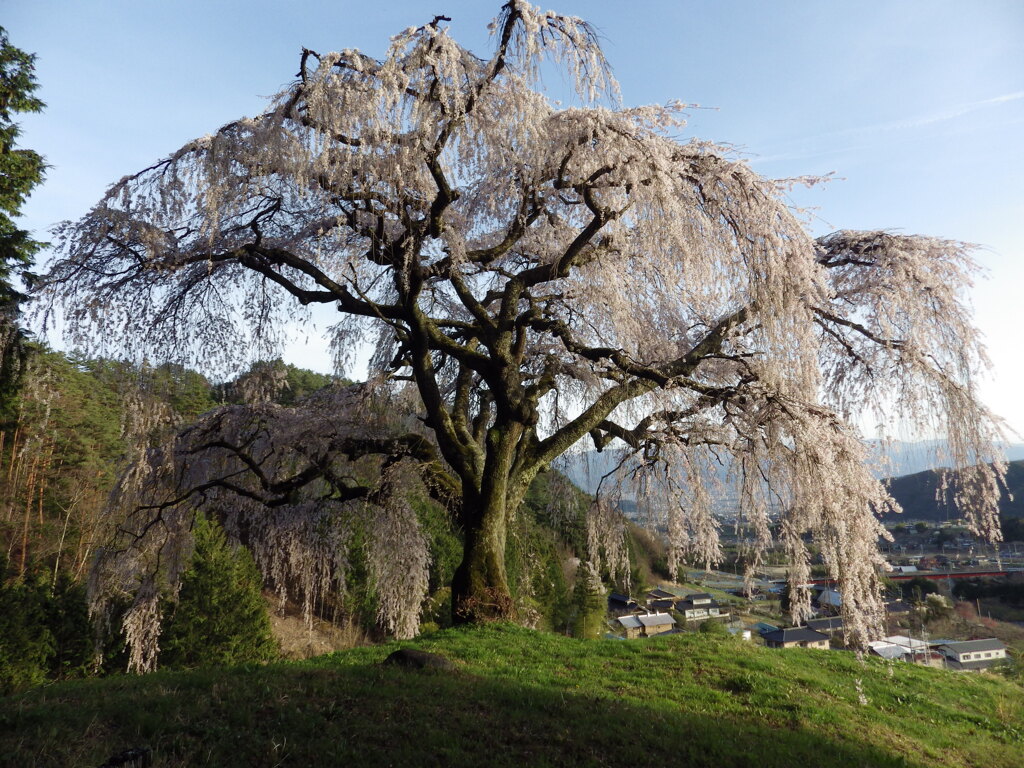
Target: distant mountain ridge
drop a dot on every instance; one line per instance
(916, 493)
(897, 461)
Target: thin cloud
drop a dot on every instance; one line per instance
(938, 117)
(904, 124)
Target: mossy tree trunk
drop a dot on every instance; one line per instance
(480, 589)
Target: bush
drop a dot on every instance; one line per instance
(220, 617)
(714, 628)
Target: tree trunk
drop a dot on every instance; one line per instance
(480, 586)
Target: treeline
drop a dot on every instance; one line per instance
(66, 432)
(73, 425)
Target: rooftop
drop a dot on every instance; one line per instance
(630, 622)
(970, 646)
(910, 643)
(794, 635)
(659, 594)
(887, 650)
(831, 623)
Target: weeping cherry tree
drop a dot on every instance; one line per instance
(530, 278)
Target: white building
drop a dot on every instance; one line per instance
(973, 654)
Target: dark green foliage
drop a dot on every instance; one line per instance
(713, 627)
(186, 392)
(445, 547)
(916, 588)
(547, 530)
(1013, 528)
(60, 461)
(68, 619)
(20, 171)
(442, 541)
(220, 617)
(556, 503)
(26, 642)
(648, 558)
(590, 605)
(301, 383)
(293, 384)
(920, 526)
(785, 598)
(44, 629)
(944, 536)
(1006, 590)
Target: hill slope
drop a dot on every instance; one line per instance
(521, 697)
(916, 494)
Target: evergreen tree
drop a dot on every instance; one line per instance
(591, 603)
(26, 642)
(20, 171)
(44, 628)
(220, 617)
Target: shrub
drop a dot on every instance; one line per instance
(713, 627)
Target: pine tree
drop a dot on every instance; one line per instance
(220, 617)
(20, 171)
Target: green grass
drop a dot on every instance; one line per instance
(526, 698)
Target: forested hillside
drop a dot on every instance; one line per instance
(921, 497)
(73, 427)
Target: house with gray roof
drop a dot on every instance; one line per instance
(656, 623)
(646, 625)
(660, 594)
(795, 637)
(973, 654)
(905, 648)
(828, 600)
(700, 606)
(830, 624)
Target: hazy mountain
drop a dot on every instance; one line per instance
(916, 493)
(893, 460)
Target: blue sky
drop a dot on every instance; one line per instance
(916, 106)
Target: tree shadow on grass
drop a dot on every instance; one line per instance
(375, 716)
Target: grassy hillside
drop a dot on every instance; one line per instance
(916, 494)
(520, 697)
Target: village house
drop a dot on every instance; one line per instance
(828, 601)
(646, 625)
(700, 606)
(795, 637)
(973, 654)
(904, 569)
(904, 648)
(660, 594)
(763, 627)
(656, 623)
(829, 625)
(621, 604)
